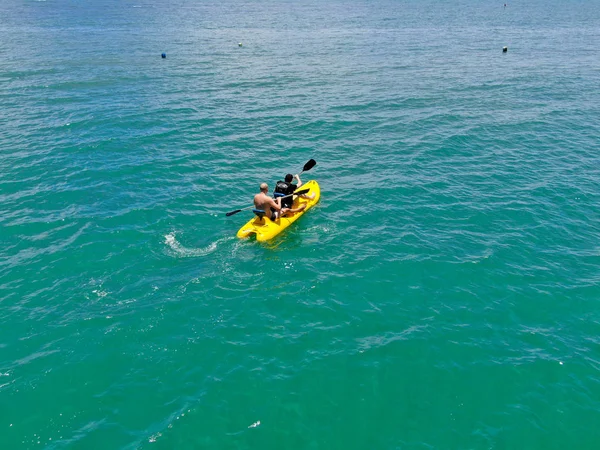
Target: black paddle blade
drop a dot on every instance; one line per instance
(231, 213)
(309, 165)
(302, 191)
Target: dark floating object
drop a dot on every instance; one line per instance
(240, 44)
(164, 55)
(504, 49)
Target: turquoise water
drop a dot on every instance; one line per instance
(442, 295)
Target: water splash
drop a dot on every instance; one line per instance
(185, 252)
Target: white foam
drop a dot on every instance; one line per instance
(185, 252)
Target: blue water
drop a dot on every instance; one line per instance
(443, 293)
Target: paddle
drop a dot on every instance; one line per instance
(300, 192)
(309, 165)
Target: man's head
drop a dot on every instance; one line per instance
(288, 178)
(264, 187)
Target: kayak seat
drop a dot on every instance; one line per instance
(259, 212)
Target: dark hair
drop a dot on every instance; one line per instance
(288, 178)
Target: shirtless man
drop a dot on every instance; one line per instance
(272, 208)
(263, 202)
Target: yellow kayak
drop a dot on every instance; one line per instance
(266, 229)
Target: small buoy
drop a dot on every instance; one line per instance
(240, 44)
(504, 49)
(164, 55)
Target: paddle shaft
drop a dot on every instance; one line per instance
(300, 192)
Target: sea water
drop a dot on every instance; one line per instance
(443, 294)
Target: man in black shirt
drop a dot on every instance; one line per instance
(286, 187)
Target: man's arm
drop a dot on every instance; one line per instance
(299, 181)
(275, 204)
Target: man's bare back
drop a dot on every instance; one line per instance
(272, 208)
(264, 202)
